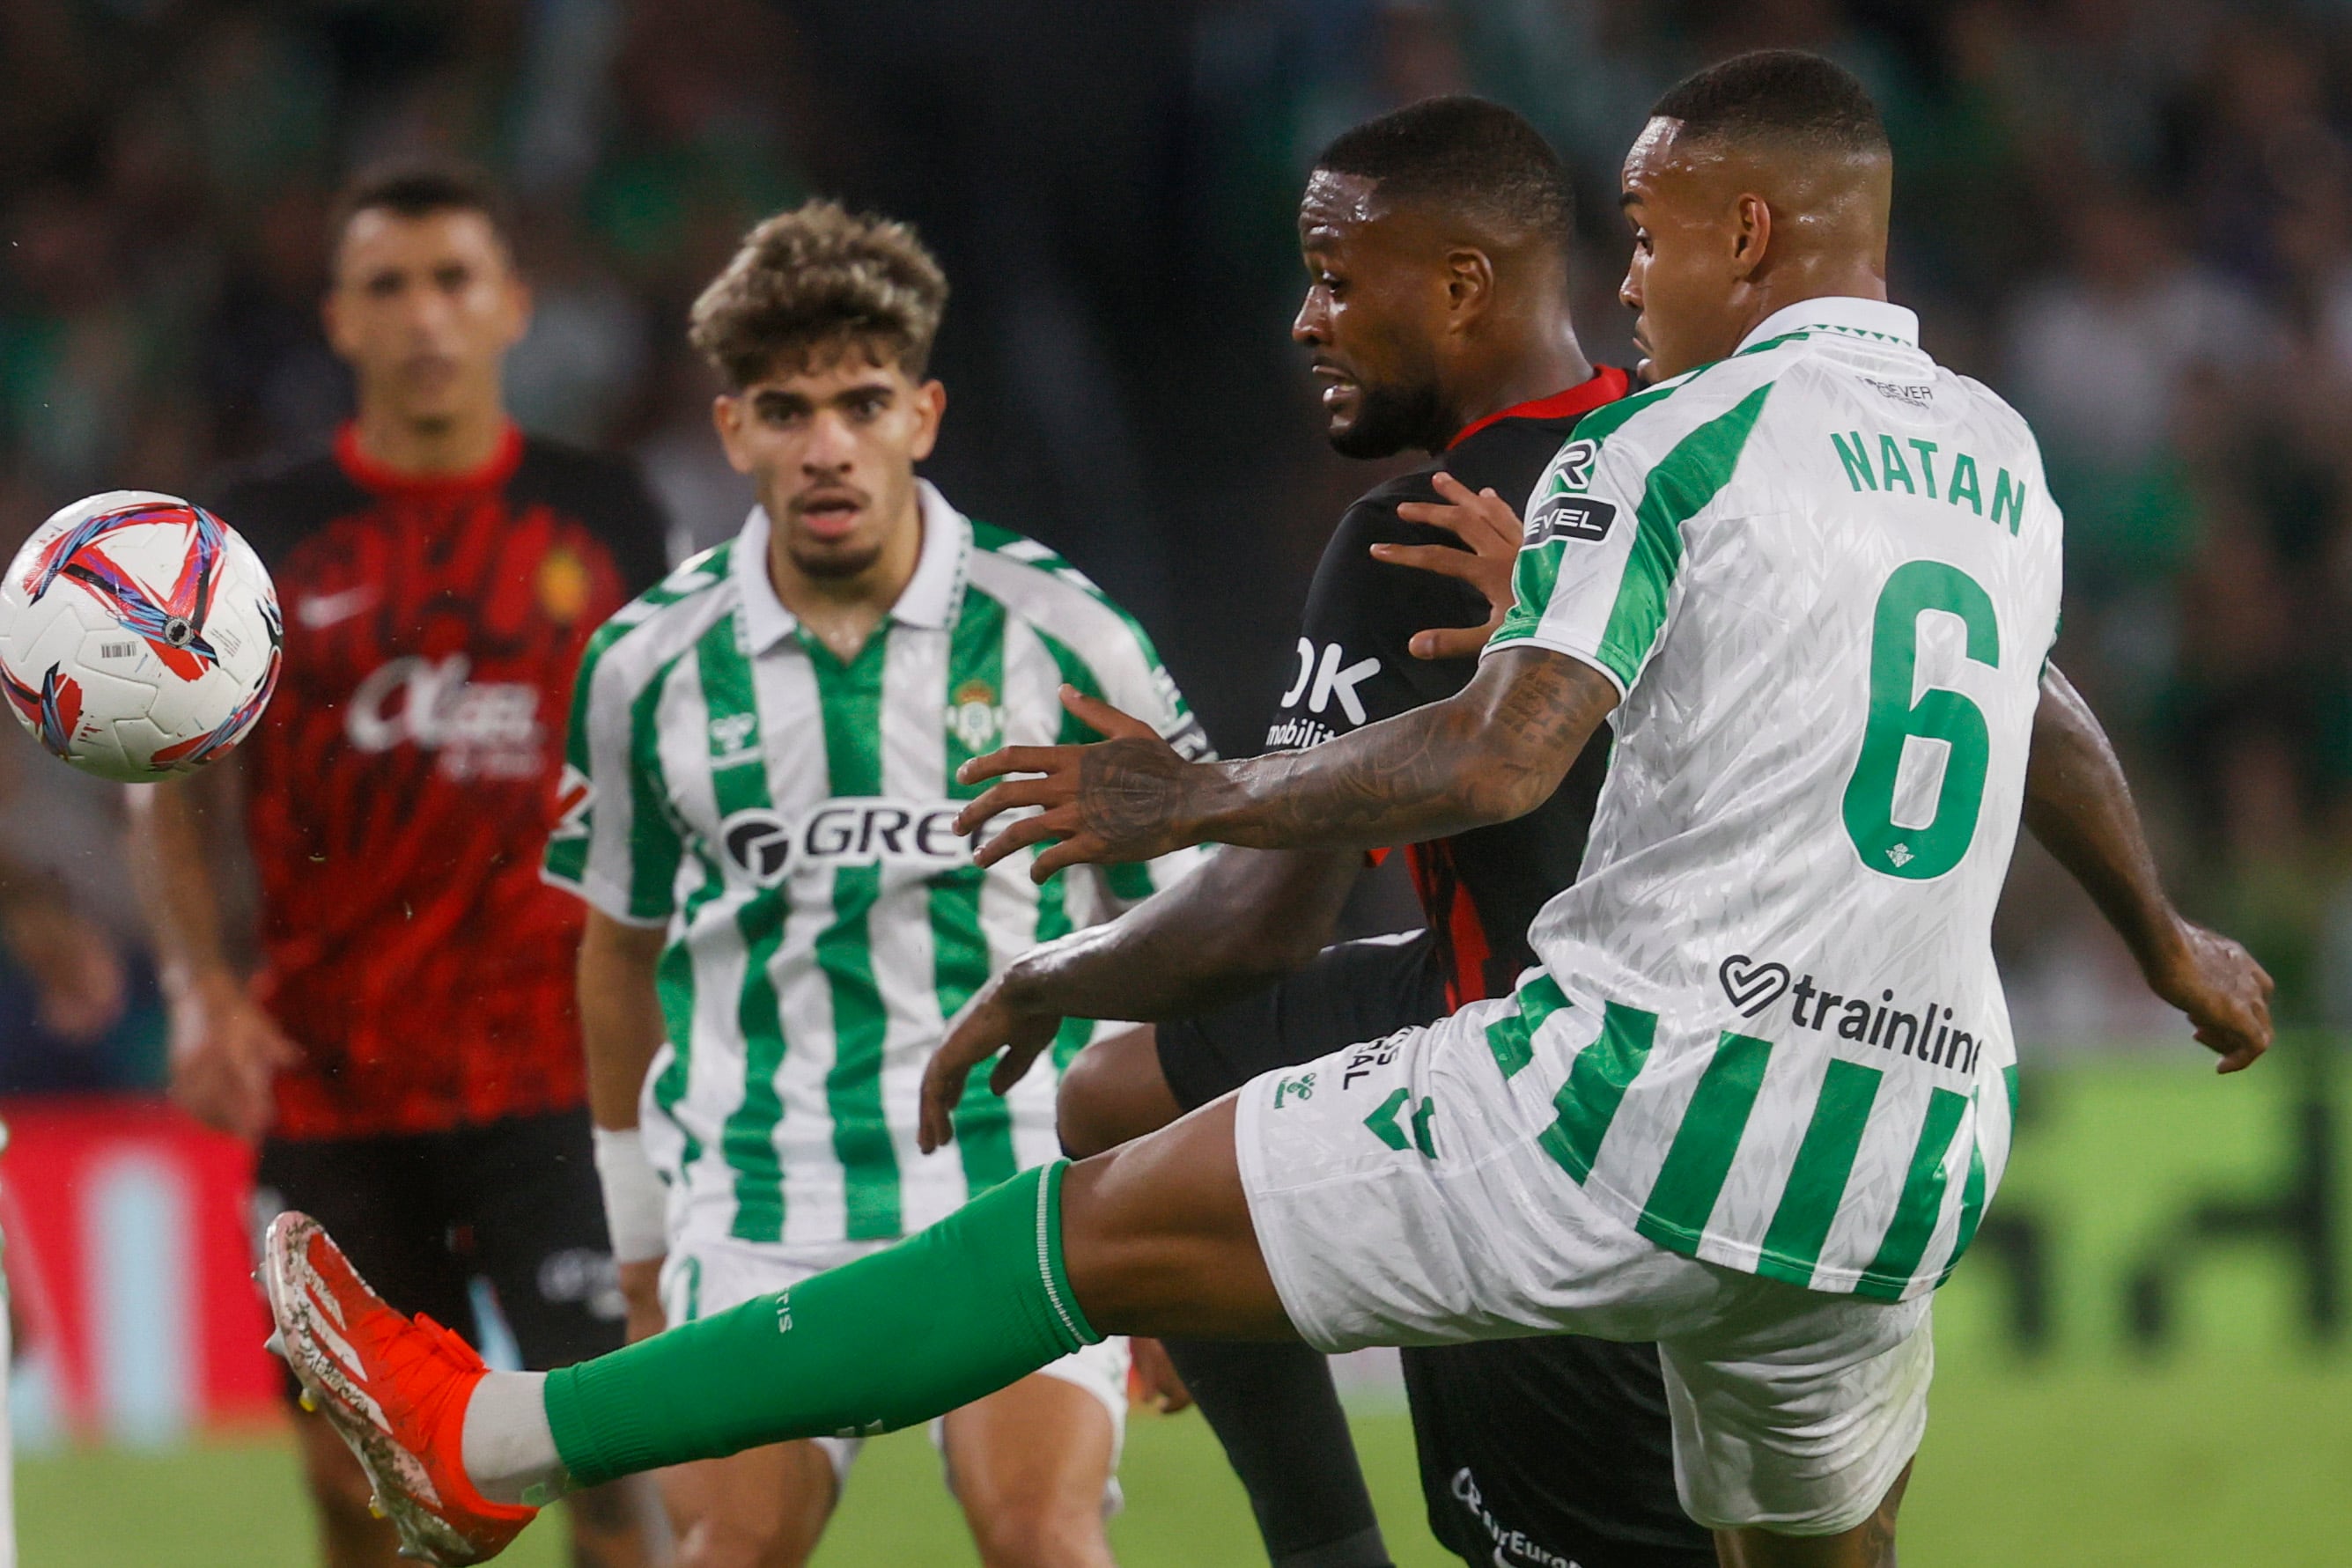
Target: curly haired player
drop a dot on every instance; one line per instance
(781, 919)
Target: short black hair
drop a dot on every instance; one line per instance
(1464, 154)
(419, 187)
(1781, 95)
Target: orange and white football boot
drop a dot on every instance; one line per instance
(395, 1389)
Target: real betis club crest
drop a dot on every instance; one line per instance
(975, 717)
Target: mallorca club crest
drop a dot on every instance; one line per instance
(566, 587)
(975, 716)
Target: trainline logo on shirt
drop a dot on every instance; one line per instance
(767, 846)
(1924, 1034)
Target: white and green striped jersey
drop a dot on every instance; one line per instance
(1824, 572)
(787, 818)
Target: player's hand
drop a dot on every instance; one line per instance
(641, 1289)
(1485, 523)
(1155, 1382)
(225, 1052)
(76, 972)
(1117, 800)
(2225, 993)
(987, 1024)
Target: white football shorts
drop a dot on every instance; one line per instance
(1401, 1196)
(700, 1278)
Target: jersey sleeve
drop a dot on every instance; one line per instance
(1604, 546)
(614, 843)
(1593, 580)
(1354, 665)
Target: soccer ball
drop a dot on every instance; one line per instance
(139, 636)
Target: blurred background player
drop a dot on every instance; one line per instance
(781, 921)
(408, 1052)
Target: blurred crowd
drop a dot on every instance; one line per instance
(2133, 217)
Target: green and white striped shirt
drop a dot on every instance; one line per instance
(1824, 574)
(788, 818)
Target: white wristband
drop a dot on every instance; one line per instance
(636, 1204)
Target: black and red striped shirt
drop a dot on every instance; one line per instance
(400, 789)
(1480, 889)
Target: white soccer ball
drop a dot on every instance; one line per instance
(139, 636)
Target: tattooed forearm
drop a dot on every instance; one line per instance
(1139, 791)
(1494, 751)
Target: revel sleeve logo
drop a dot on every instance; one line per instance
(1570, 517)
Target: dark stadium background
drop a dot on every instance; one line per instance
(2133, 219)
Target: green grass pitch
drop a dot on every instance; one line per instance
(2212, 1463)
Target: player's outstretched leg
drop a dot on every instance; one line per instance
(1157, 1236)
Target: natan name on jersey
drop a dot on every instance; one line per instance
(1887, 465)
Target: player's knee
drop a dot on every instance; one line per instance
(1111, 1094)
(1081, 1119)
(1039, 1532)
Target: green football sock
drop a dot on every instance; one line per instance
(976, 1302)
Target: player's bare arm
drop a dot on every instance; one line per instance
(620, 1031)
(620, 1014)
(1490, 753)
(2080, 807)
(1246, 916)
(225, 1050)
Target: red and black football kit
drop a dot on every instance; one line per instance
(398, 794)
(1532, 1451)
